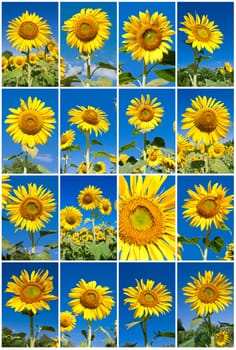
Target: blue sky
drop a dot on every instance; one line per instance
(219, 12)
(105, 275)
(11, 10)
(8, 228)
(127, 9)
(103, 99)
(191, 252)
(106, 54)
(16, 320)
(185, 271)
(48, 153)
(158, 272)
(224, 95)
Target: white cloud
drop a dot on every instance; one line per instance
(46, 158)
(73, 69)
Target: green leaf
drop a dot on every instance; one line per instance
(157, 82)
(132, 324)
(210, 82)
(43, 170)
(166, 74)
(6, 244)
(84, 333)
(48, 328)
(196, 164)
(72, 148)
(72, 165)
(193, 240)
(45, 255)
(224, 227)
(13, 156)
(104, 249)
(168, 59)
(127, 146)
(166, 334)
(218, 166)
(203, 58)
(196, 321)
(158, 142)
(87, 220)
(102, 154)
(45, 233)
(96, 142)
(52, 245)
(125, 78)
(216, 244)
(106, 65)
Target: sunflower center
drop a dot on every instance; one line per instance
(31, 208)
(202, 33)
(90, 299)
(206, 120)
(208, 293)
(141, 219)
(217, 149)
(71, 219)
(87, 198)
(148, 298)
(145, 114)
(90, 117)
(150, 38)
(86, 29)
(105, 206)
(30, 122)
(65, 321)
(208, 207)
(64, 139)
(31, 293)
(28, 30)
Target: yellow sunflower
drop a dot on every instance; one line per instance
(228, 67)
(28, 31)
(52, 48)
(19, 61)
(208, 294)
(31, 207)
(91, 300)
(31, 123)
(87, 30)
(154, 157)
(70, 218)
(217, 150)
(145, 113)
(222, 338)
(32, 291)
(148, 299)
(89, 119)
(123, 158)
(148, 36)
(33, 58)
(6, 189)
(90, 197)
(100, 167)
(105, 206)
(67, 138)
(229, 254)
(182, 150)
(62, 68)
(4, 63)
(208, 120)
(146, 219)
(55, 343)
(82, 168)
(207, 206)
(67, 321)
(168, 164)
(202, 33)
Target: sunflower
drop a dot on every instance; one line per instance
(71, 218)
(91, 300)
(228, 67)
(148, 36)
(31, 208)
(208, 295)
(28, 31)
(208, 120)
(89, 119)
(55, 343)
(154, 157)
(6, 189)
(100, 167)
(19, 61)
(146, 219)
(67, 138)
(207, 206)
(202, 33)
(168, 164)
(33, 58)
(32, 292)
(148, 299)
(145, 113)
(123, 158)
(67, 321)
(105, 206)
(82, 168)
(4, 63)
(182, 150)
(31, 123)
(222, 338)
(87, 30)
(100, 236)
(62, 68)
(52, 48)
(229, 254)
(90, 197)
(217, 150)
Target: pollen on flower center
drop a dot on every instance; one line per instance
(206, 120)
(28, 30)
(148, 298)
(31, 208)
(207, 207)
(90, 299)
(31, 292)
(141, 219)
(71, 219)
(30, 122)
(86, 29)
(91, 117)
(145, 114)
(208, 293)
(150, 38)
(202, 33)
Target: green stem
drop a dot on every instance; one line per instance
(32, 242)
(207, 242)
(144, 74)
(88, 70)
(93, 228)
(26, 163)
(144, 330)
(66, 162)
(195, 67)
(87, 152)
(32, 338)
(29, 80)
(90, 334)
(144, 149)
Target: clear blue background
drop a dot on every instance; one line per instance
(105, 275)
(48, 153)
(158, 272)
(219, 12)
(106, 54)
(103, 99)
(191, 252)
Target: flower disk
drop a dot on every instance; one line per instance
(31, 123)
(67, 321)
(90, 197)
(67, 138)
(146, 219)
(87, 30)
(30, 208)
(147, 299)
(28, 31)
(202, 33)
(32, 292)
(91, 300)
(208, 120)
(208, 295)
(222, 338)
(105, 206)
(207, 206)
(70, 218)
(148, 36)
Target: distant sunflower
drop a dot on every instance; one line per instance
(154, 157)
(148, 36)
(70, 218)
(62, 68)
(31, 123)
(207, 206)
(28, 31)
(67, 321)
(89, 119)
(222, 338)
(87, 30)
(168, 164)
(67, 138)
(91, 300)
(90, 197)
(145, 113)
(217, 150)
(82, 168)
(6, 189)
(202, 33)
(31, 207)
(19, 61)
(146, 219)
(32, 292)
(33, 58)
(182, 150)
(4, 63)
(148, 299)
(208, 120)
(105, 206)
(228, 67)
(208, 294)
(100, 167)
